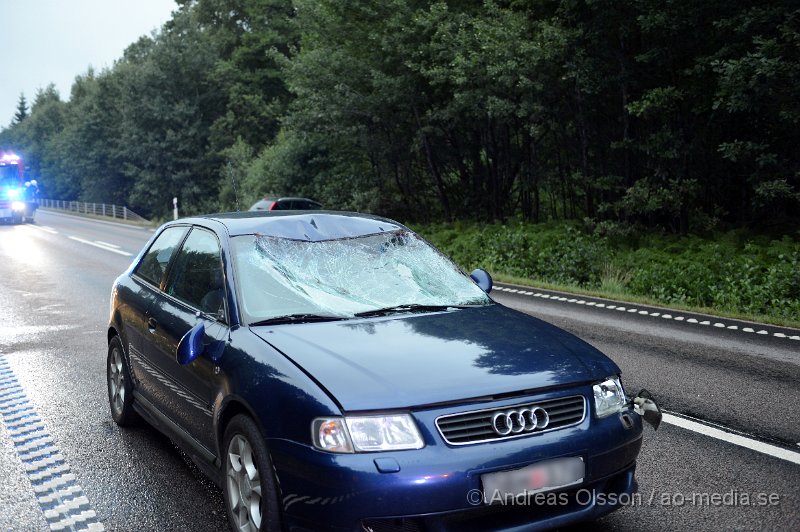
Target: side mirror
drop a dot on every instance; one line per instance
(482, 279)
(191, 345)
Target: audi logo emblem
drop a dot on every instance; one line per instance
(519, 421)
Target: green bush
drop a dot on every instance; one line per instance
(558, 254)
(732, 272)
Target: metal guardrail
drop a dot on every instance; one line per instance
(119, 212)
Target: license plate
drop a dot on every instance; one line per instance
(543, 476)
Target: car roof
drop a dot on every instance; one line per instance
(313, 226)
(287, 198)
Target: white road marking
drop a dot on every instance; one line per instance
(44, 228)
(58, 492)
(736, 439)
(61, 494)
(95, 244)
(575, 301)
(107, 244)
(66, 507)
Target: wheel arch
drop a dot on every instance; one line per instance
(229, 408)
(112, 332)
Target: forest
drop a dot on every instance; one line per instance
(679, 116)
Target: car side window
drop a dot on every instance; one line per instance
(197, 278)
(155, 261)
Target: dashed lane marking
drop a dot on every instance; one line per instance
(43, 228)
(101, 246)
(106, 244)
(60, 497)
(693, 321)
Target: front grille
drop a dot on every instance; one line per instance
(401, 524)
(478, 426)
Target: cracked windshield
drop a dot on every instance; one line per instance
(344, 277)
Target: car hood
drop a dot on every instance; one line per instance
(421, 359)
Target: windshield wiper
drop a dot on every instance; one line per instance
(404, 308)
(297, 318)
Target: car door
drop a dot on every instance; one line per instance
(193, 293)
(137, 297)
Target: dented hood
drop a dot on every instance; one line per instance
(420, 359)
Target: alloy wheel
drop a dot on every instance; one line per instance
(116, 380)
(244, 485)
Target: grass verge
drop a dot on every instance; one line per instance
(735, 274)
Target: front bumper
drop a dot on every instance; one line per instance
(431, 487)
(7, 213)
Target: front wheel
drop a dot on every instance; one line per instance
(120, 385)
(251, 497)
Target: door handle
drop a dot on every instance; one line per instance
(152, 325)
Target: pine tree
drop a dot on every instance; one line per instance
(22, 109)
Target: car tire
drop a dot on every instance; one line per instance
(120, 385)
(251, 496)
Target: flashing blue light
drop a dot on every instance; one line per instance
(13, 193)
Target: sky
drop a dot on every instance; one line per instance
(53, 41)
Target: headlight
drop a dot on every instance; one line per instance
(609, 397)
(17, 206)
(395, 432)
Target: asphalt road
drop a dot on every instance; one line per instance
(55, 278)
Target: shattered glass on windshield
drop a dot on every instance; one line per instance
(344, 277)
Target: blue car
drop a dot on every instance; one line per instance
(334, 371)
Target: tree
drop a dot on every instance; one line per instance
(22, 109)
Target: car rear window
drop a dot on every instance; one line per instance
(306, 205)
(262, 205)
